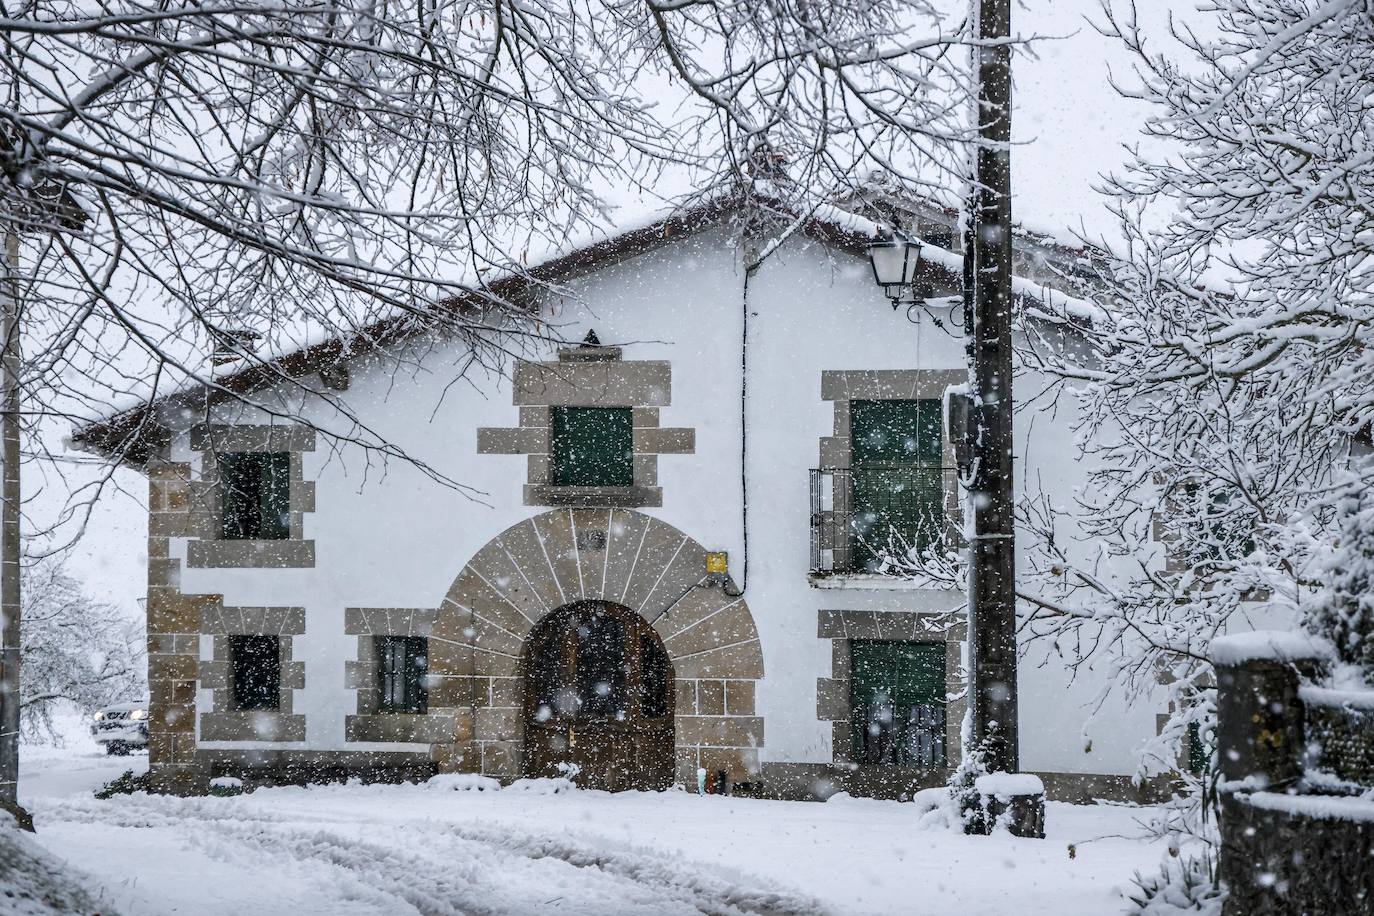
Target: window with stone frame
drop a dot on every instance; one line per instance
(255, 672)
(255, 495)
(896, 478)
(591, 447)
(402, 672)
(897, 703)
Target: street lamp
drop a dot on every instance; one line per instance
(895, 259)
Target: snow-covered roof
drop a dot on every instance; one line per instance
(130, 432)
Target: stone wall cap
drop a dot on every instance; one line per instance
(1268, 645)
(1007, 784)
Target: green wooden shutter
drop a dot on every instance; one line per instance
(274, 496)
(896, 432)
(910, 673)
(236, 521)
(904, 679)
(592, 447)
(897, 484)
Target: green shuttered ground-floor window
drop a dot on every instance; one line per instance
(897, 484)
(897, 702)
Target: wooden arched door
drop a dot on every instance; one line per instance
(598, 699)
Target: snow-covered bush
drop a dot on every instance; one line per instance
(1343, 611)
(1182, 886)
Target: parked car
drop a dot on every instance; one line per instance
(121, 727)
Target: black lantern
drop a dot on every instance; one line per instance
(894, 261)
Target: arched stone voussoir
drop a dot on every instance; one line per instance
(617, 555)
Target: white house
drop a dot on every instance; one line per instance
(660, 557)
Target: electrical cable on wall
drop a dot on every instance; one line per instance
(749, 270)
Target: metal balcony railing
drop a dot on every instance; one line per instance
(862, 518)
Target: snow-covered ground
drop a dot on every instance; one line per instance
(419, 849)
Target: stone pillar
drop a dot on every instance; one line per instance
(1260, 721)
(1260, 747)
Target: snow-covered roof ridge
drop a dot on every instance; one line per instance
(1270, 645)
(127, 431)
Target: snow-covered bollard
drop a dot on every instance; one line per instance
(1015, 801)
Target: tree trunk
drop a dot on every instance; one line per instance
(9, 535)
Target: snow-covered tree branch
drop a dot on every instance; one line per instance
(76, 650)
(1229, 385)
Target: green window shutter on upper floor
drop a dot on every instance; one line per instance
(902, 432)
(592, 447)
(897, 484)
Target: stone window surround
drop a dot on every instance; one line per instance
(843, 386)
(208, 549)
(832, 693)
(590, 377)
(360, 675)
(223, 722)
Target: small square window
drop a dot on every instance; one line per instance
(592, 447)
(255, 672)
(255, 495)
(402, 669)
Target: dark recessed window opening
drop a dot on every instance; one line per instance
(255, 495)
(601, 666)
(897, 702)
(654, 681)
(255, 671)
(402, 667)
(592, 447)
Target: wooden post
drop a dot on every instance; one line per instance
(992, 555)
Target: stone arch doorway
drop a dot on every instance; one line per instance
(621, 557)
(598, 688)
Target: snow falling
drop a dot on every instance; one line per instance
(733, 457)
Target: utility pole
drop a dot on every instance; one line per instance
(9, 534)
(988, 303)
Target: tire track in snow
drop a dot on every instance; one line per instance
(708, 891)
(436, 868)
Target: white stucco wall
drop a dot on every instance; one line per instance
(387, 535)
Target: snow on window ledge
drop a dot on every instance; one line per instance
(872, 581)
